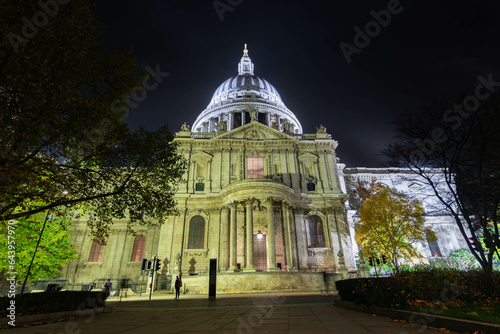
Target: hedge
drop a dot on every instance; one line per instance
(426, 285)
(54, 301)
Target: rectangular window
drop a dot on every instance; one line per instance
(200, 186)
(255, 167)
(96, 251)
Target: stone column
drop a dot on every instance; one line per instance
(230, 121)
(286, 232)
(249, 235)
(233, 236)
(224, 234)
(271, 248)
(211, 124)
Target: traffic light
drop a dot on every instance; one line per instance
(144, 264)
(473, 244)
(158, 265)
(370, 261)
(149, 265)
(378, 261)
(384, 259)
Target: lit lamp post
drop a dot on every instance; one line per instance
(259, 235)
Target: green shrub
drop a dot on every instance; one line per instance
(55, 301)
(431, 285)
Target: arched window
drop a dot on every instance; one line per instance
(315, 228)
(434, 248)
(96, 251)
(139, 247)
(196, 238)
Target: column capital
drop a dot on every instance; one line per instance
(249, 201)
(269, 201)
(233, 205)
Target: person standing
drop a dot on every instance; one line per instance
(108, 286)
(124, 289)
(178, 284)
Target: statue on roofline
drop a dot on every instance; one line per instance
(321, 129)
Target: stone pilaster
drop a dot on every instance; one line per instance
(223, 247)
(271, 247)
(286, 232)
(249, 235)
(233, 235)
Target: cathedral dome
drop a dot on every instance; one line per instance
(246, 86)
(237, 97)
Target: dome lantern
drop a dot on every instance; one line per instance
(245, 65)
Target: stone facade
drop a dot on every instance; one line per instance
(267, 202)
(236, 208)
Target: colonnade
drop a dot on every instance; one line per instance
(210, 125)
(271, 242)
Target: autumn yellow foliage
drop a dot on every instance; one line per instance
(391, 224)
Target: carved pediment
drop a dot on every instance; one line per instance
(255, 131)
(308, 157)
(201, 156)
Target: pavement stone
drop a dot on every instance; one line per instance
(240, 314)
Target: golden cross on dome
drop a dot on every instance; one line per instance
(245, 51)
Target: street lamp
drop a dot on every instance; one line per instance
(259, 235)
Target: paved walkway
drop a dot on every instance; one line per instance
(241, 314)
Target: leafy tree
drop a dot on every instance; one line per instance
(462, 259)
(452, 146)
(63, 103)
(390, 224)
(54, 252)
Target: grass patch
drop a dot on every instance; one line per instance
(485, 312)
(471, 295)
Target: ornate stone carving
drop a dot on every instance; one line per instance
(185, 127)
(249, 201)
(254, 115)
(340, 255)
(321, 129)
(177, 262)
(253, 134)
(320, 252)
(269, 201)
(221, 126)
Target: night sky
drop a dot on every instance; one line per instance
(428, 49)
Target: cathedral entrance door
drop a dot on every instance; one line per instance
(259, 252)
